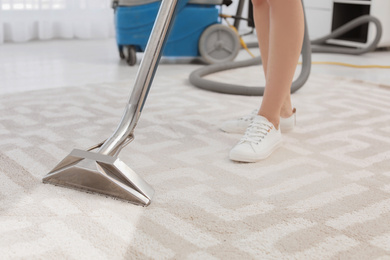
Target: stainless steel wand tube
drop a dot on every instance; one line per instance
(144, 79)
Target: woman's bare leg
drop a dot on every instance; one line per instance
(280, 29)
(262, 20)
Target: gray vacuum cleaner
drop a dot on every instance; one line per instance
(316, 46)
(98, 169)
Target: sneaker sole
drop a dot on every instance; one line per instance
(234, 132)
(239, 158)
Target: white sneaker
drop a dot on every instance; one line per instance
(238, 126)
(260, 140)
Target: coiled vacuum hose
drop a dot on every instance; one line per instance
(315, 46)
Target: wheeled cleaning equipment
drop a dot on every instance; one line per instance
(198, 31)
(98, 169)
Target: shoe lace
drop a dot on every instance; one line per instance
(256, 131)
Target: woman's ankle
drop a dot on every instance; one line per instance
(287, 112)
(273, 120)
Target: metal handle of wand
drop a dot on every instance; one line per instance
(144, 78)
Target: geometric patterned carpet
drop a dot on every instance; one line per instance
(324, 195)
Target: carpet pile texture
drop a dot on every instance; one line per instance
(324, 195)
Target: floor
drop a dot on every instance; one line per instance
(324, 195)
(60, 63)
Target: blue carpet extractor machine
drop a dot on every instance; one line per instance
(197, 32)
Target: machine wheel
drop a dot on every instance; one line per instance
(219, 43)
(131, 57)
(128, 53)
(121, 53)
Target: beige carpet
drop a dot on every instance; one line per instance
(324, 195)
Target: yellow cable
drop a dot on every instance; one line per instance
(350, 65)
(243, 44)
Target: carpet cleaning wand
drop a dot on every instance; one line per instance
(98, 169)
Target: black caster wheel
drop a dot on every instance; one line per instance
(131, 55)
